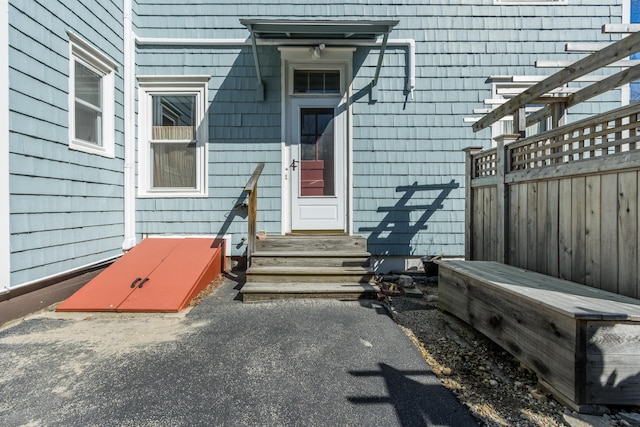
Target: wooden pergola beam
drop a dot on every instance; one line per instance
(616, 51)
(620, 28)
(585, 47)
(623, 63)
(535, 79)
(616, 80)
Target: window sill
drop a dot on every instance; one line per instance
(173, 195)
(89, 148)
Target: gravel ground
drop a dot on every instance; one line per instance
(494, 385)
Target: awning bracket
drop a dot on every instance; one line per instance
(373, 89)
(260, 88)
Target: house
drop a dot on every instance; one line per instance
(125, 119)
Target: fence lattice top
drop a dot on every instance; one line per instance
(613, 132)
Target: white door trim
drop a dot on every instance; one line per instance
(292, 57)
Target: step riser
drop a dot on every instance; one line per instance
(314, 243)
(293, 278)
(274, 291)
(308, 262)
(257, 297)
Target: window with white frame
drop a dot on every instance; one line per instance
(172, 138)
(91, 99)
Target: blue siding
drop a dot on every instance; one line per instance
(398, 141)
(408, 167)
(242, 133)
(66, 206)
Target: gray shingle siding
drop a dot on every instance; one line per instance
(66, 206)
(400, 140)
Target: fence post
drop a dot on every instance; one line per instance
(468, 209)
(502, 196)
(558, 119)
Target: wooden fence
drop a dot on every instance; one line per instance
(564, 202)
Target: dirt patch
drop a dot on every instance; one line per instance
(107, 334)
(206, 291)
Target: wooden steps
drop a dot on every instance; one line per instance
(309, 266)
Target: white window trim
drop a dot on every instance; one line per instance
(172, 85)
(84, 53)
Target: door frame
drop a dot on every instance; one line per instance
(298, 57)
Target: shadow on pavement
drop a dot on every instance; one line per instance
(416, 403)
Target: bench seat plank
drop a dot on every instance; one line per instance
(572, 299)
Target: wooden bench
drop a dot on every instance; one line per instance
(582, 342)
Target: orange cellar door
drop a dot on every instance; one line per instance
(159, 274)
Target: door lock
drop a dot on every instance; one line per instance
(293, 165)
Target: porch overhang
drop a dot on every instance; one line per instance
(302, 32)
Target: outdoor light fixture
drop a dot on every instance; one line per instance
(315, 52)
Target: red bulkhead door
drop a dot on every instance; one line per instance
(193, 264)
(159, 274)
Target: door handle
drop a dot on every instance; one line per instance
(293, 165)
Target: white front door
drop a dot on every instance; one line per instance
(318, 163)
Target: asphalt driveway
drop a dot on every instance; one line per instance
(221, 363)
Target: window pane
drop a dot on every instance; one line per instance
(324, 81)
(635, 12)
(174, 165)
(87, 85)
(300, 81)
(332, 82)
(88, 124)
(174, 117)
(634, 18)
(317, 152)
(635, 91)
(316, 83)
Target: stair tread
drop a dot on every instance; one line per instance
(322, 254)
(304, 270)
(311, 243)
(313, 236)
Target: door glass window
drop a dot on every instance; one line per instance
(317, 152)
